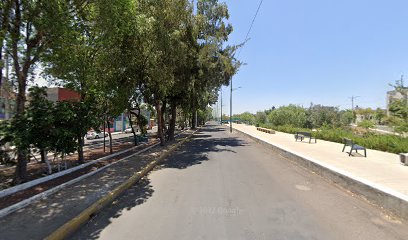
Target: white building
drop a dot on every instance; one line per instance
(395, 95)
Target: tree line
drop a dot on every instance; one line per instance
(117, 55)
(317, 116)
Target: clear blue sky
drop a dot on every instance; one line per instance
(320, 51)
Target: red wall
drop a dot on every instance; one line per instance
(67, 94)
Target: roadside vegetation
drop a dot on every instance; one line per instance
(168, 56)
(332, 124)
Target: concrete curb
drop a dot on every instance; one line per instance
(30, 184)
(6, 211)
(71, 226)
(392, 201)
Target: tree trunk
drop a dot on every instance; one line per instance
(44, 159)
(110, 137)
(163, 113)
(80, 149)
(159, 123)
(172, 125)
(22, 66)
(43, 153)
(194, 120)
(21, 168)
(133, 130)
(20, 175)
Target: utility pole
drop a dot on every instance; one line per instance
(221, 106)
(231, 108)
(352, 102)
(402, 81)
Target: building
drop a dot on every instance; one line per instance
(62, 94)
(7, 102)
(396, 95)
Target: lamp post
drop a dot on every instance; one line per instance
(221, 105)
(232, 89)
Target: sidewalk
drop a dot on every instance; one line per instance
(43, 217)
(380, 170)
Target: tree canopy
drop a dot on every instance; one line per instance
(171, 54)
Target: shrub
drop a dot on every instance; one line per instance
(288, 115)
(366, 124)
(386, 143)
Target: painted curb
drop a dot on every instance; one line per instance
(392, 201)
(30, 184)
(72, 225)
(10, 209)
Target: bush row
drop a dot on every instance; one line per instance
(386, 143)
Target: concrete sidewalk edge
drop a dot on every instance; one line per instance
(71, 226)
(387, 199)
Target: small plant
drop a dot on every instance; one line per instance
(366, 124)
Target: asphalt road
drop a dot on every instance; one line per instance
(225, 186)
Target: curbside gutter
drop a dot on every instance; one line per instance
(72, 225)
(385, 198)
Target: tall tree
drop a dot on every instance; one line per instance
(72, 58)
(29, 27)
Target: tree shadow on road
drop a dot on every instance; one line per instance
(194, 152)
(134, 196)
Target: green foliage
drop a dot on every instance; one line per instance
(399, 109)
(245, 117)
(260, 117)
(333, 125)
(39, 119)
(64, 130)
(321, 115)
(366, 124)
(288, 115)
(387, 143)
(379, 115)
(142, 122)
(167, 51)
(346, 117)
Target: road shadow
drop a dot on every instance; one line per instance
(193, 152)
(134, 196)
(196, 151)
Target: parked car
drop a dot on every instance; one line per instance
(95, 135)
(129, 130)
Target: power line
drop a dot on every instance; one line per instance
(250, 28)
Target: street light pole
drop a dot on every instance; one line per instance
(231, 108)
(232, 89)
(352, 102)
(221, 106)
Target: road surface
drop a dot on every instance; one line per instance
(221, 185)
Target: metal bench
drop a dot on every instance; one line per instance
(349, 143)
(302, 135)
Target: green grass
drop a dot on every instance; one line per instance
(386, 143)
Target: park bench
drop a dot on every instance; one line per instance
(302, 135)
(349, 143)
(265, 130)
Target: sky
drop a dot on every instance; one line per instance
(317, 51)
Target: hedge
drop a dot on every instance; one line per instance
(386, 143)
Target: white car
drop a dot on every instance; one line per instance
(95, 135)
(129, 130)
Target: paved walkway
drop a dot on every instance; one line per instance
(44, 216)
(222, 186)
(380, 169)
